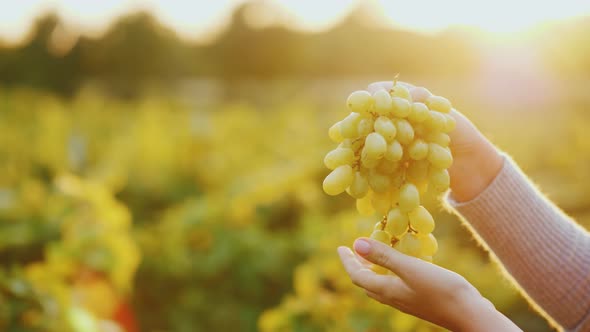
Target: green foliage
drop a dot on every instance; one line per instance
(223, 205)
(20, 305)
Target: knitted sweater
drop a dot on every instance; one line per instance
(545, 251)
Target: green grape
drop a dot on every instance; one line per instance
(335, 134)
(381, 202)
(400, 107)
(387, 167)
(418, 171)
(346, 143)
(368, 161)
(405, 132)
(419, 113)
(438, 103)
(439, 138)
(359, 186)
(365, 126)
(418, 150)
(397, 223)
(385, 128)
(364, 205)
(436, 121)
(409, 197)
(338, 180)
(394, 151)
(429, 245)
(420, 94)
(450, 123)
(375, 146)
(421, 220)
(338, 157)
(400, 91)
(349, 125)
(439, 157)
(378, 226)
(381, 236)
(378, 182)
(409, 244)
(439, 179)
(382, 102)
(360, 101)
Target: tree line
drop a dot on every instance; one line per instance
(137, 50)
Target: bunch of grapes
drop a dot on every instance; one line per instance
(393, 147)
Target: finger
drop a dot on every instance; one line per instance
(376, 86)
(464, 136)
(459, 120)
(383, 255)
(359, 274)
(351, 261)
(420, 94)
(414, 273)
(397, 292)
(376, 296)
(364, 262)
(392, 287)
(406, 84)
(386, 85)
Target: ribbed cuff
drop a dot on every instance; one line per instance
(544, 250)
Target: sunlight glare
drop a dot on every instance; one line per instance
(499, 16)
(316, 15)
(202, 19)
(198, 19)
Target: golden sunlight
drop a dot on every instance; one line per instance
(201, 18)
(500, 16)
(317, 15)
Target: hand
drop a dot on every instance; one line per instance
(421, 289)
(476, 161)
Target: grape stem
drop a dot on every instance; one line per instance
(394, 240)
(394, 82)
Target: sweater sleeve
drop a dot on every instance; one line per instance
(544, 250)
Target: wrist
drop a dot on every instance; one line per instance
(470, 312)
(474, 170)
(480, 315)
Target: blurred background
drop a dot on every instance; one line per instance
(161, 161)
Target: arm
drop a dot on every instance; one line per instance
(545, 252)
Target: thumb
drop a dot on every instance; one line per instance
(386, 85)
(465, 138)
(384, 255)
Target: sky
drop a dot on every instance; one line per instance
(201, 19)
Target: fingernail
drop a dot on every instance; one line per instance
(362, 246)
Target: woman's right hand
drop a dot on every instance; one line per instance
(421, 289)
(476, 162)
